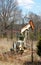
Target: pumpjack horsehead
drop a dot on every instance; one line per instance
(26, 30)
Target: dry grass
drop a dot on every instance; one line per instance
(12, 59)
(5, 45)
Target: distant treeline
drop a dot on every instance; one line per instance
(12, 20)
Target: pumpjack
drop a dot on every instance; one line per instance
(21, 44)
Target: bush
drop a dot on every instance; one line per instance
(39, 48)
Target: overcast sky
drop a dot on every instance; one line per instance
(30, 6)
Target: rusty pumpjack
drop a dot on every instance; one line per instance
(21, 44)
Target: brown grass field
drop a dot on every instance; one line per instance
(10, 58)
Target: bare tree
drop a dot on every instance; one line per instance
(7, 8)
(9, 12)
(37, 21)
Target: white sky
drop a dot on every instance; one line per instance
(26, 3)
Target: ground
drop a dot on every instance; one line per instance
(11, 58)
